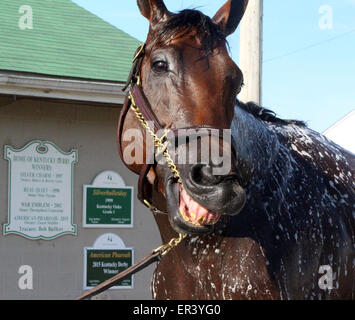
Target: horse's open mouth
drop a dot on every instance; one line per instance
(185, 214)
(196, 207)
(192, 212)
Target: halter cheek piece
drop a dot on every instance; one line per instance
(137, 102)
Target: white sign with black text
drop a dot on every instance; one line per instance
(40, 200)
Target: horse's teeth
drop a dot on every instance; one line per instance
(201, 219)
(192, 218)
(183, 213)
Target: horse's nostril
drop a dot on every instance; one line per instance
(202, 174)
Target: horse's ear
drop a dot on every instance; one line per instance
(229, 16)
(153, 10)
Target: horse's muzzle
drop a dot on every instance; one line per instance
(220, 194)
(196, 205)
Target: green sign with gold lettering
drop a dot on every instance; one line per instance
(108, 207)
(103, 264)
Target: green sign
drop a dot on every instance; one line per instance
(103, 264)
(108, 207)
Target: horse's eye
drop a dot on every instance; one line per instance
(160, 66)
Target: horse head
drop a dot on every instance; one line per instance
(188, 79)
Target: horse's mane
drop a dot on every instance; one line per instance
(186, 21)
(266, 114)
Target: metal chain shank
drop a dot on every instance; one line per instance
(158, 142)
(162, 147)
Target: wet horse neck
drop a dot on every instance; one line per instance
(256, 146)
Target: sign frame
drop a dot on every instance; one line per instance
(101, 244)
(45, 145)
(115, 181)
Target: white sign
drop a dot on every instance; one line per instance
(109, 241)
(40, 201)
(109, 179)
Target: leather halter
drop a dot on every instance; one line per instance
(137, 101)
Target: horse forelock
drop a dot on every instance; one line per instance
(187, 22)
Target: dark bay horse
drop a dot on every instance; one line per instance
(279, 223)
